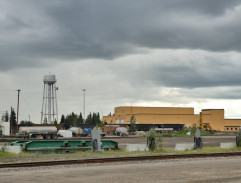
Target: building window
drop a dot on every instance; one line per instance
(117, 121)
(122, 121)
(235, 128)
(231, 128)
(227, 128)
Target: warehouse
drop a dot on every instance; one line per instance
(173, 115)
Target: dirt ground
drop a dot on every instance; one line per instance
(209, 170)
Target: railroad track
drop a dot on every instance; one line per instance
(75, 138)
(119, 159)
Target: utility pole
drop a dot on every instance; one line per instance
(11, 125)
(18, 108)
(84, 105)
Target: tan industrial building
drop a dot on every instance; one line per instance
(173, 115)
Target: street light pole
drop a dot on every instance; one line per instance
(84, 105)
(18, 108)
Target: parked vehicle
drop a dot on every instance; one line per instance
(121, 131)
(79, 132)
(76, 131)
(38, 131)
(87, 132)
(65, 133)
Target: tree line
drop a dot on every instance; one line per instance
(75, 119)
(10, 118)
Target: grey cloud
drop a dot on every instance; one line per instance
(229, 93)
(186, 69)
(208, 75)
(38, 33)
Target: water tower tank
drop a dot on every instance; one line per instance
(49, 79)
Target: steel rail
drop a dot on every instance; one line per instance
(60, 139)
(119, 159)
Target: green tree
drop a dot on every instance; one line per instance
(89, 119)
(71, 119)
(55, 122)
(13, 121)
(94, 119)
(132, 126)
(151, 142)
(5, 117)
(80, 119)
(26, 123)
(62, 120)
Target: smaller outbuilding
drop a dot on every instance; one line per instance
(4, 128)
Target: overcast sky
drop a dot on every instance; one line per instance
(165, 53)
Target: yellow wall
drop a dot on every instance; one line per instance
(232, 124)
(170, 115)
(215, 117)
(151, 115)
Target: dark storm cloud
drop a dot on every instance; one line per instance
(37, 32)
(183, 69)
(207, 74)
(230, 93)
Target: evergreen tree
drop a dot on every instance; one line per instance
(13, 121)
(99, 121)
(56, 123)
(3, 117)
(89, 119)
(94, 119)
(62, 120)
(80, 119)
(6, 116)
(26, 123)
(132, 126)
(71, 119)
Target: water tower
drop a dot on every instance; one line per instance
(49, 111)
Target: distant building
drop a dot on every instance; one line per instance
(173, 115)
(4, 128)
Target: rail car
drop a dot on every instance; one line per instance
(38, 131)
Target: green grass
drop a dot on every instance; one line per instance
(184, 133)
(7, 154)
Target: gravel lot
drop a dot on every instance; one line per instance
(191, 170)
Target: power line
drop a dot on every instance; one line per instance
(8, 90)
(33, 113)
